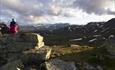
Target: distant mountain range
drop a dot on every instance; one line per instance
(51, 26)
(34, 28)
(93, 33)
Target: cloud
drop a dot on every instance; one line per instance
(38, 11)
(22, 6)
(96, 6)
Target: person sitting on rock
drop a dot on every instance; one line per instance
(13, 27)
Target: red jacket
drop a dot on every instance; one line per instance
(13, 28)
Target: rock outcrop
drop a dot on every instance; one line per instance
(22, 49)
(22, 42)
(27, 51)
(33, 38)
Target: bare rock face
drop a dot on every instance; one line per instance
(57, 64)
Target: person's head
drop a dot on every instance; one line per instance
(13, 20)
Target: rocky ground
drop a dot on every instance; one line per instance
(28, 52)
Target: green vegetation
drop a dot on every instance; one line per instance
(85, 54)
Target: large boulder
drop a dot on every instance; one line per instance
(23, 51)
(57, 64)
(22, 42)
(35, 57)
(33, 38)
(43, 53)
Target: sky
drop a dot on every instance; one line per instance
(56, 11)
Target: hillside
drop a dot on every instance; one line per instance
(94, 33)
